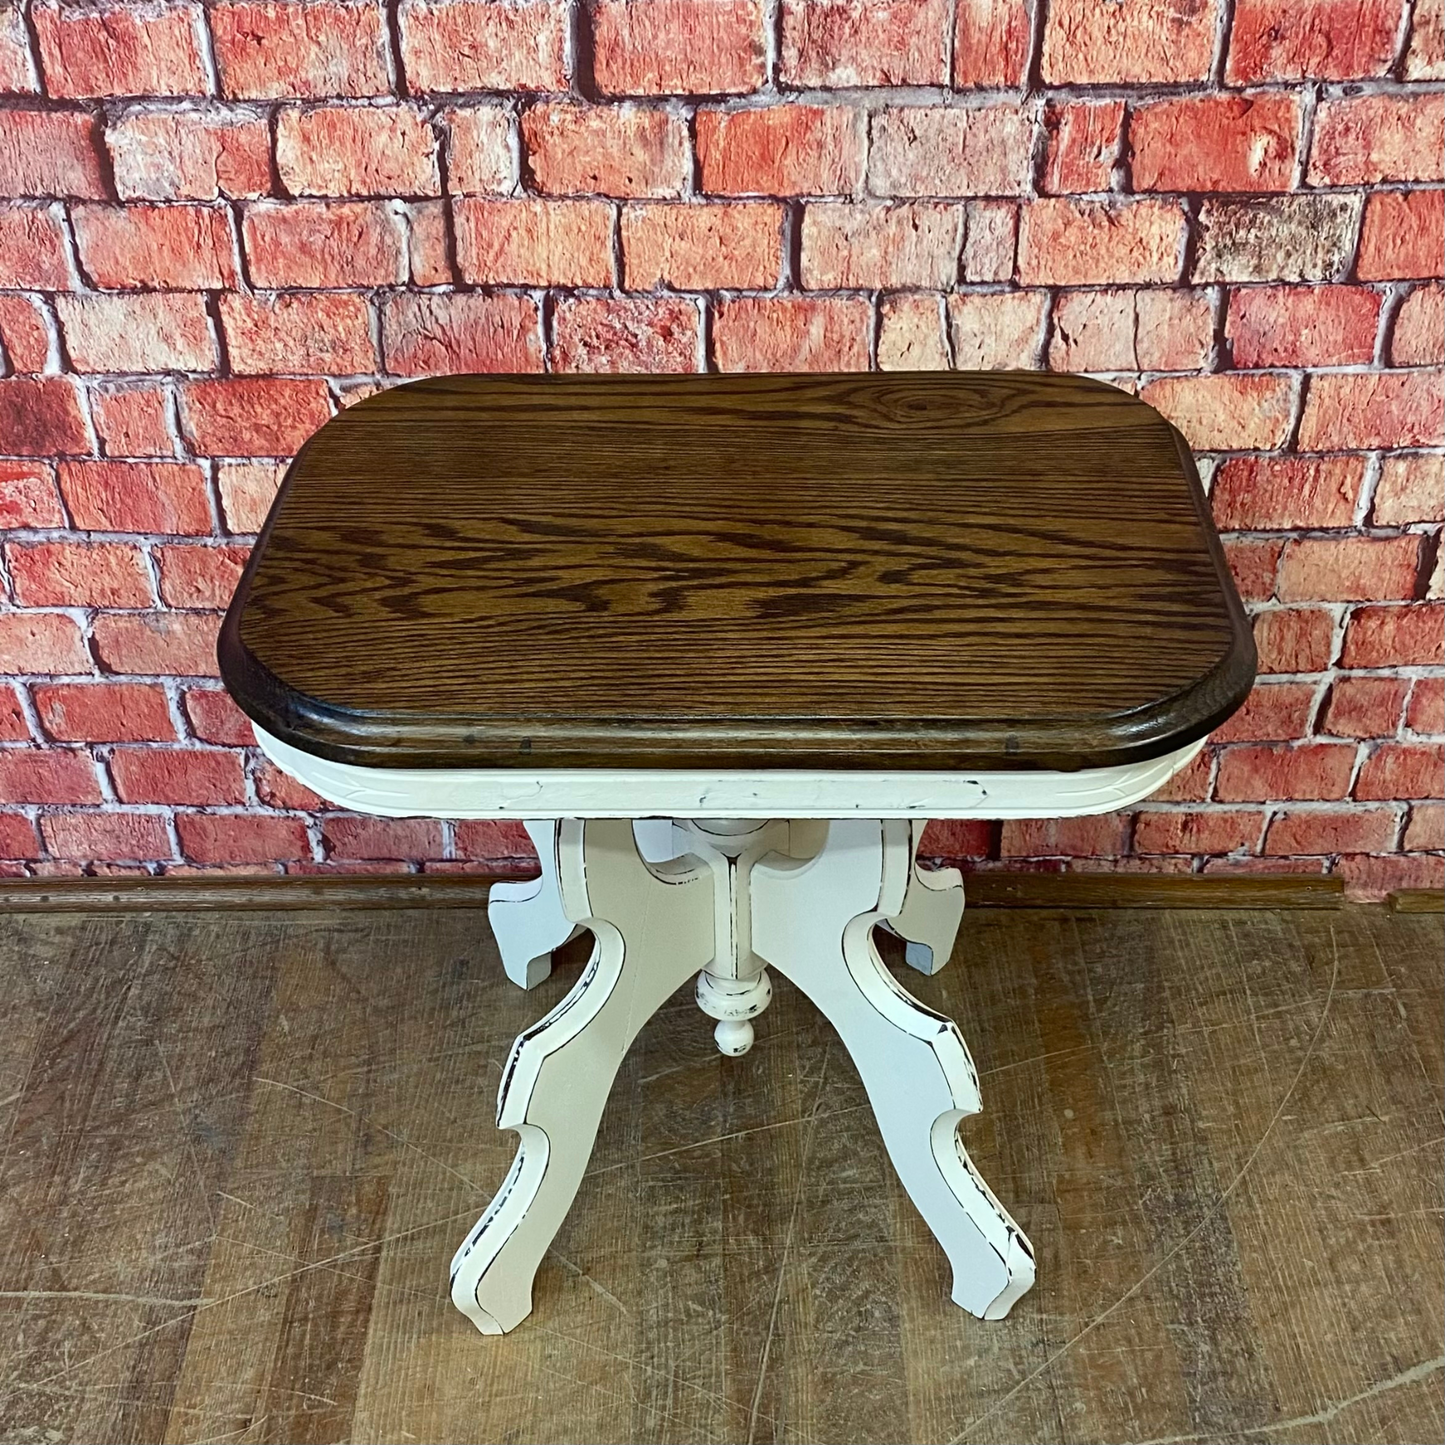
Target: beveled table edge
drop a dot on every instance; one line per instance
(541, 793)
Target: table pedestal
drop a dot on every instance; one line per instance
(725, 901)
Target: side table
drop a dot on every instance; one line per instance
(725, 645)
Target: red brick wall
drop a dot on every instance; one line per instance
(226, 220)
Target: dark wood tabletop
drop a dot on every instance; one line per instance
(906, 571)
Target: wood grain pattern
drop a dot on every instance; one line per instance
(923, 571)
(236, 1153)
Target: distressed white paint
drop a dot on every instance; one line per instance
(775, 793)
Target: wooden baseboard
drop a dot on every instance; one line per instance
(984, 890)
(1418, 900)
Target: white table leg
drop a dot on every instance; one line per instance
(932, 910)
(654, 930)
(527, 918)
(813, 920)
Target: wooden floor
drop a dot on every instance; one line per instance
(238, 1150)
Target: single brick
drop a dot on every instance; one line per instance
(1402, 236)
(990, 43)
(1361, 139)
(1426, 828)
(17, 74)
(1279, 238)
(214, 718)
(957, 838)
(1212, 830)
(41, 642)
(1369, 878)
(906, 244)
(1294, 639)
(48, 775)
(1254, 566)
(781, 150)
(459, 45)
(479, 150)
(1419, 334)
(105, 837)
(242, 838)
(28, 497)
(18, 838)
(1229, 411)
(1334, 569)
(1403, 770)
(1257, 493)
(247, 490)
(189, 156)
(133, 422)
(487, 838)
(1131, 330)
(1332, 830)
(610, 334)
(260, 416)
(429, 244)
(324, 332)
(1411, 489)
(1307, 772)
(1215, 143)
(1083, 143)
(1373, 409)
(24, 339)
(605, 150)
(272, 49)
(40, 417)
(990, 241)
(78, 574)
(199, 577)
(1270, 41)
(1087, 243)
(280, 790)
(693, 247)
(119, 49)
(863, 42)
(198, 776)
(1128, 40)
(1426, 710)
(104, 712)
(1395, 636)
(997, 331)
(911, 334)
(49, 153)
(1105, 836)
(322, 244)
(1364, 707)
(146, 331)
(947, 151)
(348, 150)
(178, 643)
(1273, 711)
(347, 836)
(791, 333)
(1303, 325)
(137, 497)
(188, 248)
(534, 243)
(32, 249)
(424, 335)
(1425, 55)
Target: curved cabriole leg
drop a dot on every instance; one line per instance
(527, 918)
(654, 930)
(813, 921)
(932, 910)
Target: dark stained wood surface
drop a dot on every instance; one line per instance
(237, 1151)
(928, 571)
